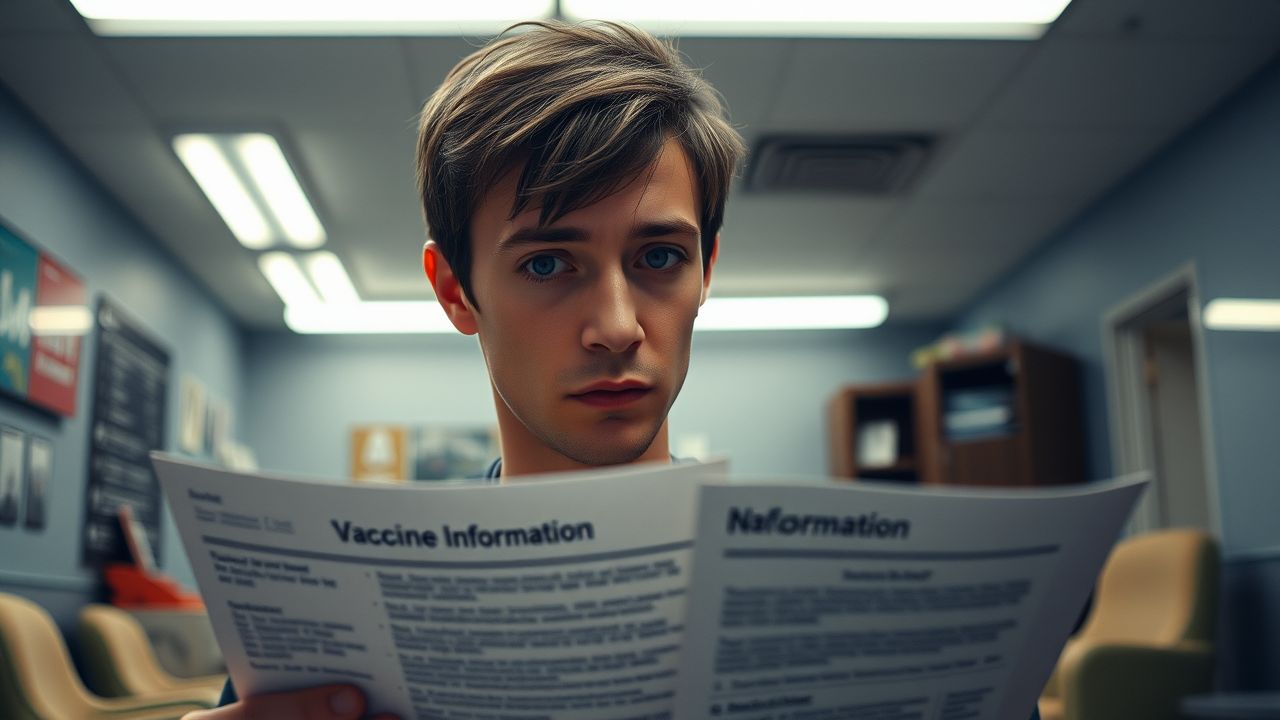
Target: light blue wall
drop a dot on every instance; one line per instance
(757, 397)
(50, 200)
(1213, 199)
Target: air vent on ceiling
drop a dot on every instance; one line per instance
(868, 164)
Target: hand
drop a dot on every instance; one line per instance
(327, 702)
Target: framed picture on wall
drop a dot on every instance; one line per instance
(39, 474)
(453, 452)
(13, 457)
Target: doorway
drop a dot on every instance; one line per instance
(1158, 403)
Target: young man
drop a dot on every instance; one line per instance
(573, 180)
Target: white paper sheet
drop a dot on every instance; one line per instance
(865, 601)
(583, 597)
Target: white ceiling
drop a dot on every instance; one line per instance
(1029, 134)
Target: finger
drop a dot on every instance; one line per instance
(328, 702)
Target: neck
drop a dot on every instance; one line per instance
(525, 454)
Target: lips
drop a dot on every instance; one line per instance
(610, 394)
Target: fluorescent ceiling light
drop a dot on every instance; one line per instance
(331, 279)
(60, 320)
(847, 312)
(306, 17)
(251, 185)
(1020, 19)
(279, 188)
(1241, 314)
(796, 313)
(213, 173)
(285, 275)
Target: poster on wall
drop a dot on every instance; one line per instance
(39, 361)
(379, 453)
(130, 383)
(12, 459)
(18, 262)
(55, 357)
(451, 452)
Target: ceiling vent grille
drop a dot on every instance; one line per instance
(860, 164)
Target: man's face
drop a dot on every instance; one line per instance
(586, 324)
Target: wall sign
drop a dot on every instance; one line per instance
(131, 379)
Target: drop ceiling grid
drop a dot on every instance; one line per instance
(143, 173)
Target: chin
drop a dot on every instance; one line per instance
(609, 450)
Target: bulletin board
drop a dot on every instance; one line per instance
(131, 381)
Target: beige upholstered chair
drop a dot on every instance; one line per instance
(120, 662)
(1149, 639)
(38, 681)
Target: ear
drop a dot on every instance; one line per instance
(706, 270)
(448, 290)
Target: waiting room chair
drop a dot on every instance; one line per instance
(1148, 640)
(38, 681)
(120, 661)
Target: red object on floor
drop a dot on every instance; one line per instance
(133, 587)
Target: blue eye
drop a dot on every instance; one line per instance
(662, 258)
(544, 267)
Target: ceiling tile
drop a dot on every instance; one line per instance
(239, 82)
(773, 226)
(748, 73)
(990, 164)
(39, 16)
(1124, 83)
(64, 78)
(1170, 19)
(929, 237)
(428, 61)
(873, 85)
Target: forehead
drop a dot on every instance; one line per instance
(666, 189)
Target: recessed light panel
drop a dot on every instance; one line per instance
(999, 19)
(306, 17)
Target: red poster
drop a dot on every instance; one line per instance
(55, 359)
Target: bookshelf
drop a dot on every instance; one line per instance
(1007, 417)
(874, 432)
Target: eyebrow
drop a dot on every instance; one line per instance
(546, 235)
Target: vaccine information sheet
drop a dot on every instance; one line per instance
(660, 592)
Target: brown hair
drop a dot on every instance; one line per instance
(584, 108)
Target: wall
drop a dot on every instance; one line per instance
(758, 397)
(52, 202)
(1212, 200)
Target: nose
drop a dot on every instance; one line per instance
(611, 321)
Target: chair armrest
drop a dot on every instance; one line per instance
(1110, 681)
(183, 701)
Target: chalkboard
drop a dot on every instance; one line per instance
(130, 382)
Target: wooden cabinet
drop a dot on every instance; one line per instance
(1009, 417)
(888, 410)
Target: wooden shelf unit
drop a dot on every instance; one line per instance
(1044, 442)
(1035, 391)
(858, 404)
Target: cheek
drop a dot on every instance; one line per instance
(515, 341)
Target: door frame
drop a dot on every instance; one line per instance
(1128, 399)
